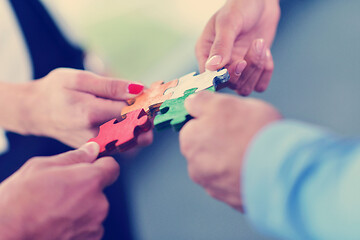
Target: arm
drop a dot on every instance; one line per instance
(300, 181)
(295, 181)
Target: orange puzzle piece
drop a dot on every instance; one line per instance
(151, 99)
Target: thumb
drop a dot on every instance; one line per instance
(110, 88)
(221, 50)
(85, 154)
(197, 104)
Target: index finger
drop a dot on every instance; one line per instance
(109, 170)
(104, 87)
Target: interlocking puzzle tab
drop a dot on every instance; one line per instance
(202, 81)
(173, 113)
(151, 99)
(121, 135)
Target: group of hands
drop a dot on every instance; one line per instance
(63, 195)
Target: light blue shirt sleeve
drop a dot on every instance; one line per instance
(302, 182)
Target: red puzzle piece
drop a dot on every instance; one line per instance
(121, 135)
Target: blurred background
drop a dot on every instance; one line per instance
(316, 80)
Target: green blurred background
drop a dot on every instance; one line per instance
(133, 37)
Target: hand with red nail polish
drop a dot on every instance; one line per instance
(69, 105)
(238, 37)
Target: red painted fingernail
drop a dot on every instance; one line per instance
(135, 88)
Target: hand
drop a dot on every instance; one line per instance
(215, 141)
(69, 105)
(59, 197)
(238, 37)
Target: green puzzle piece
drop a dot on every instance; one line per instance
(173, 112)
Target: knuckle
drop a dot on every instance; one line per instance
(80, 79)
(257, 64)
(226, 19)
(219, 45)
(112, 88)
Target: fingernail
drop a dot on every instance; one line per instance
(259, 46)
(92, 148)
(134, 88)
(240, 67)
(214, 60)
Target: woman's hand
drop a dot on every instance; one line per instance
(239, 37)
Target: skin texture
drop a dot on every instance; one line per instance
(224, 126)
(59, 197)
(238, 37)
(68, 105)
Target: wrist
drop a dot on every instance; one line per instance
(27, 109)
(13, 99)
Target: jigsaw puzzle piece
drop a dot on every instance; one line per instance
(120, 135)
(173, 112)
(151, 99)
(202, 81)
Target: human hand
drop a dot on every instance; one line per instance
(239, 37)
(69, 105)
(215, 141)
(59, 197)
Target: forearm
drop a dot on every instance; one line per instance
(300, 182)
(14, 99)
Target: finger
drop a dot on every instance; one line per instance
(267, 73)
(109, 171)
(145, 139)
(196, 104)
(103, 110)
(221, 49)
(87, 153)
(203, 45)
(105, 87)
(235, 71)
(255, 59)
